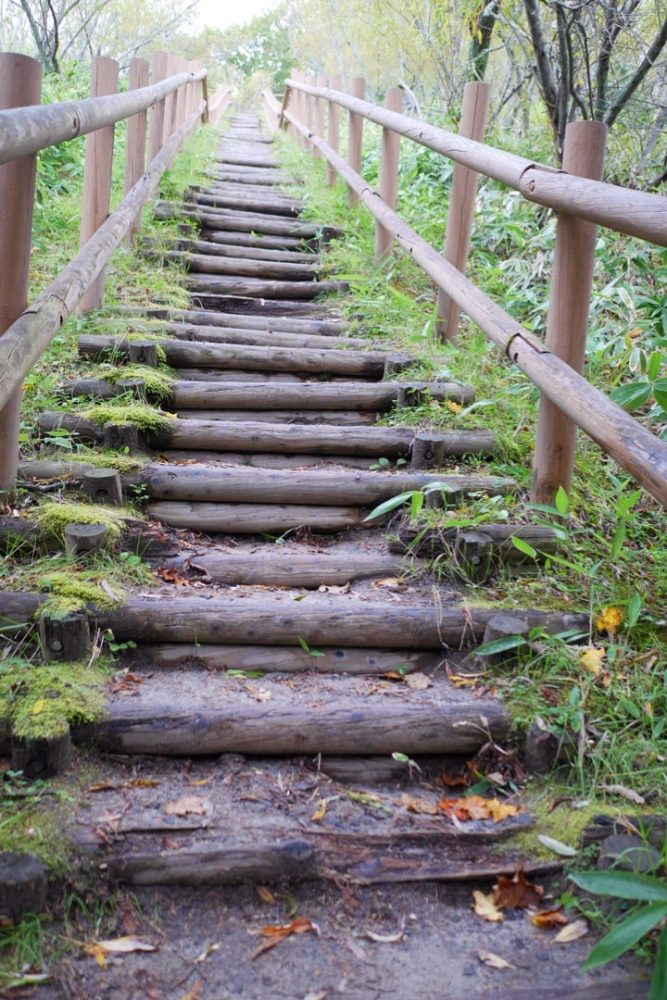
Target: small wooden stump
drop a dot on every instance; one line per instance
(143, 352)
(122, 437)
(503, 626)
(136, 386)
(66, 638)
(103, 486)
(41, 758)
(23, 883)
(411, 394)
(83, 538)
(396, 363)
(472, 556)
(543, 749)
(427, 452)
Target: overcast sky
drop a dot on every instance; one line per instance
(222, 13)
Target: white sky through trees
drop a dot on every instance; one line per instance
(223, 13)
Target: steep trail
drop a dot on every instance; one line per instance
(294, 713)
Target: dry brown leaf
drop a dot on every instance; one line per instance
(626, 793)
(477, 807)
(171, 575)
(386, 938)
(195, 992)
(265, 895)
(275, 933)
(186, 805)
(143, 783)
(516, 892)
(392, 582)
(485, 908)
(547, 919)
(116, 946)
(258, 693)
(417, 805)
(494, 961)
(577, 929)
(330, 588)
(418, 682)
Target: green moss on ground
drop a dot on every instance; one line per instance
(141, 415)
(53, 516)
(41, 700)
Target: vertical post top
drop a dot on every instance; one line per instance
(393, 99)
(358, 86)
(584, 149)
(20, 81)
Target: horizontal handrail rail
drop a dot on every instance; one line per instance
(27, 130)
(23, 343)
(636, 213)
(643, 454)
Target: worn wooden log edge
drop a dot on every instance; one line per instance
(23, 343)
(137, 537)
(437, 542)
(286, 324)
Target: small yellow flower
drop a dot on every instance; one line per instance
(38, 707)
(592, 659)
(454, 407)
(609, 620)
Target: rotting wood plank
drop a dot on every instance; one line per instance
(255, 518)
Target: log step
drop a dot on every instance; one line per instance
(279, 659)
(308, 395)
(259, 288)
(337, 715)
(261, 338)
(346, 418)
(235, 221)
(221, 250)
(284, 324)
(195, 354)
(203, 263)
(255, 518)
(232, 841)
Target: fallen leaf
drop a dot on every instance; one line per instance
(186, 805)
(477, 807)
(208, 950)
(258, 693)
(463, 680)
(320, 811)
(418, 682)
(143, 783)
(391, 582)
(609, 620)
(546, 919)
(418, 805)
(591, 659)
(38, 707)
(516, 892)
(195, 992)
(386, 938)
(454, 407)
(626, 793)
(109, 591)
(333, 589)
(117, 946)
(485, 908)
(501, 810)
(495, 961)
(171, 575)
(557, 846)
(265, 895)
(577, 929)
(275, 933)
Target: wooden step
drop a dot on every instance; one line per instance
(282, 324)
(229, 237)
(215, 250)
(340, 418)
(255, 518)
(235, 221)
(261, 338)
(233, 485)
(315, 396)
(186, 354)
(330, 715)
(197, 263)
(251, 203)
(259, 288)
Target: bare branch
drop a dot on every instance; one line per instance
(646, 64)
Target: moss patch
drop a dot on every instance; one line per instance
(40, 701)
(141, 415)
(53, 517)
(70, 592)
(157, 381)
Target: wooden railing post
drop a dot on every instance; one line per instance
(333, 138)
(20, 85)
(355, 136)
(158, 72)
(388, 180)
(135, 142)
(320, 106)
(169, 102)
(181, 96)
(97, 173)
(462, 203)
(567, 321)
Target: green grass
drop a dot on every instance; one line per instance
(613, 553)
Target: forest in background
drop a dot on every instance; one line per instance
(547, 61)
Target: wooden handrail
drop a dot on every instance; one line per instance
(643, 454)
(27, 130)
(636, 213)
(23, 343)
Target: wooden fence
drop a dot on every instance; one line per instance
(178, 97)
(582, 202)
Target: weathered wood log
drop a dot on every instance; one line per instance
(96, 388)
(233, 221)
(306, 395)
(503, 626)
(252, 203)
(261, 338)
(23, 884)
(471, 558)
(66, 638)
(143, 352)
(41, 758)
(17, 534)
(434, 542)
(238, 159)
(103, 486)
(254, 306)
(285, 324)
(187, 354)
(199, 375)
(249, 287)
(277, 619)
(220, 250)
(231, 238)
(204, 482)
(265, 178)
(291, 569)
(346, 726)
(395, 363)
(413, 394)
(119, 437)
(136, 537)
(80, 539)
(254, 518)
(364, 770)
(428, 451)
(56, 420)
(201, 263)
(341, 418)
(279, 659)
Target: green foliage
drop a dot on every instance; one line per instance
(69, 592)
(637, 924)
(53, 516)
(141, 415)
(157, 381)
(40, 701)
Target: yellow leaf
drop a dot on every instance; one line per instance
(320, 812)
(454, 407)
(592, 659)
(485, 908)
(38, 707)
(501, 810)
(609, 620)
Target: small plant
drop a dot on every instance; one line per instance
(636, 888)
(308, 649)
(416, 499)
(117, 647)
